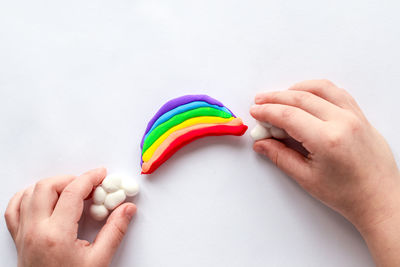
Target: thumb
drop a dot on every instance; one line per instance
(112, 233)
(288, 160)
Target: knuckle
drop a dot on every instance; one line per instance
(347, 95)
(119, 233)
(37, 235)
(29, 237)
(7, 215)
(120, 230)
(273, 96)
(50, 240)
(287, 113)
(344, 93)
(68, 192)
(41, 185)
(334, 138)
(326, 82)
(27, 193)
(28, 240)
(352, 100)
(275, 158)
(301, 97)
(353, 123)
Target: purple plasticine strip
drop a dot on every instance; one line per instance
(173, 103)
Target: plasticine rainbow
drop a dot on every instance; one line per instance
(181, 121)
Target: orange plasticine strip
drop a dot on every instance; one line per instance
(186, 135)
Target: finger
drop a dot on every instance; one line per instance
(328, 91)
(112, 233)
(12, 213)
(25, 208)
(69, 207)
(299, 124)
(306, 101)
(288, 160)
(46, 193)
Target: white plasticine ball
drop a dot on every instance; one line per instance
(278, 133)
(99, 195)
(130, 187)
(111, 183)
(110, 194)
(265, 124)
(98, 212)
(114, 199)
(259, 132)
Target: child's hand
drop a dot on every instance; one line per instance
(350, 167)
(43, 221)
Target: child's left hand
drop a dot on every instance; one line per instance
(43, 221)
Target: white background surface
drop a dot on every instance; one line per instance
(80, 79)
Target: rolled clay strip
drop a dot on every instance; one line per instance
(176, 119)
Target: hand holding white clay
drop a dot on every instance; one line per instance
(45, 228)
(264, 130)
(110, 194)
(349, 167)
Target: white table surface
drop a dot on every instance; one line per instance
(80, 79)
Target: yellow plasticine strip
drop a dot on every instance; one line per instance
(173, 136)
(198, 120)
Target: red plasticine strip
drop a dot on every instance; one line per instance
(191, 136)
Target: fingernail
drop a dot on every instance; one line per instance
(98, 169)
(253, 108)
(129, 211)
(257, 98)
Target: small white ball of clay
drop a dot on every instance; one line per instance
(130, 187)
(278, 133)
(98, 212)
(114, 199)
(111, 183)
(259, 132)
(265, 124)
(99, 195)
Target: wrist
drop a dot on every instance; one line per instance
(380, 227)
(383, 239)
(376, 206)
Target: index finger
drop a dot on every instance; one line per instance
(326, 90)
(46, 192)
(69, 207)
(299, 124)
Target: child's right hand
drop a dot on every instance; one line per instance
(350, 167)
(43, 221)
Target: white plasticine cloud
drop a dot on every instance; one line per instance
(110, 194)
(264, 130)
